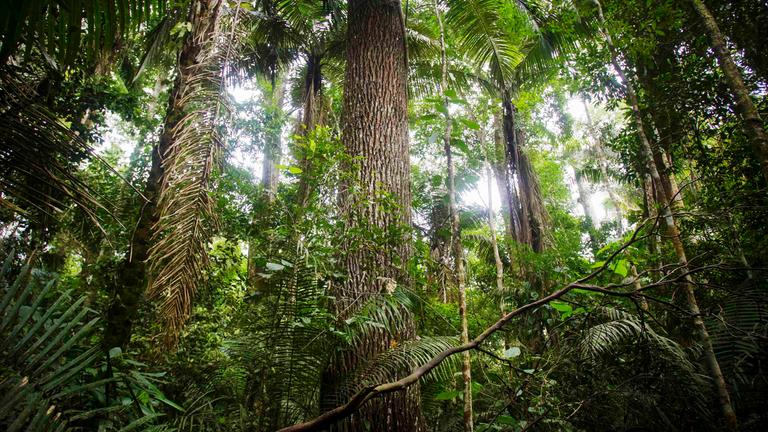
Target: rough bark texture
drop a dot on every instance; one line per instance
(375, 135)
(131, 277)
(753, 124)
(677, 243)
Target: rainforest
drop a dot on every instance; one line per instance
(383, 215)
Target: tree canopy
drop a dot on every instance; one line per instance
(383, 215)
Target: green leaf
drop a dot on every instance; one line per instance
(470, 124)
(441, 108)
(597, 265)
(115, 352)
(621, 267)
(506, 420)
(461, 145)
(448, 395)
(565, 309)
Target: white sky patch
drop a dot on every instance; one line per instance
(116, 133)
(598, 196)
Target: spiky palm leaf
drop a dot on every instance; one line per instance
(38, 155)
(67, 29)
(41, 338)
(283, 353)
(621, 329)
(740, 334)
(484, 31)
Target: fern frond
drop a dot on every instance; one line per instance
(51, 336)
(39, 155)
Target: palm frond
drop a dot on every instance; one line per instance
(621, 328)
(408, 356)
(42, 343)
(283, 353)
(179, 253)
(483, 35)
(65, 30)
(740, 332)
(39, 155)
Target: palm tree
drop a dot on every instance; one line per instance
(171, 235)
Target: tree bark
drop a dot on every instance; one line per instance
(458, 249)
(753, 124)
(131, 276)
(311, 117)
(376, 200)
(273, 139)
(674, 238)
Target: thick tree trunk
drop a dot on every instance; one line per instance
(378, 199)
(753, 124)
(458, 249)
(499, 165)
(676, 240)
(131, 276)
(536, 217)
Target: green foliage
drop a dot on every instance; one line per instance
(260, 323)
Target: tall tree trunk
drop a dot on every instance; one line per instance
(375, 135)
(675, 239)
(499, 264)
(536, 218)
(498, 162)
(663, 120)
(503, 183)
(458, 249)
(273, 139)
(753, 124)
(440, 246)
(131, 276)
(311, 117)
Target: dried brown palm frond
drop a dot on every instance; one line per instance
(178, 256)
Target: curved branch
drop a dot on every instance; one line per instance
(368, 393)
